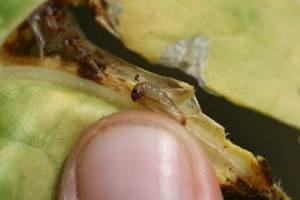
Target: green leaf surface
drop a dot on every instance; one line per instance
(254, 46)
(39, 124)
(14, 12)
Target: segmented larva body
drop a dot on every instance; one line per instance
(149, 90)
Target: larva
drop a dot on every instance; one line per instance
(145, 91)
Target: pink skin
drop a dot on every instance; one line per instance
(138, 155)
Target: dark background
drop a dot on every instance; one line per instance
(277, 142)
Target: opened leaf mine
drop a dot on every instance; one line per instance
(52, 90)
(246, 51)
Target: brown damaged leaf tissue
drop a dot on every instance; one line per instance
(47, 60)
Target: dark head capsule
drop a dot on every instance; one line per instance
(136, 94)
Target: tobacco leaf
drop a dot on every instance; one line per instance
(34, 62)
(247, 52)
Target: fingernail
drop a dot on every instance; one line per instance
(139, 155)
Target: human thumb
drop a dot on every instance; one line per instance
(138, 155)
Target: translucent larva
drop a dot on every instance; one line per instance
(147, 92)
